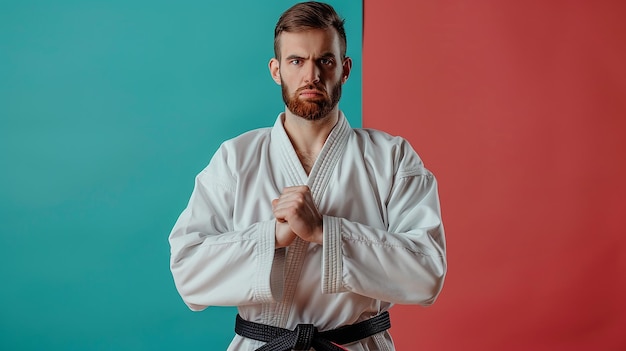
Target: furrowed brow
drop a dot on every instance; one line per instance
(294, 57)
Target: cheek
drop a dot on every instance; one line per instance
(333, 77)
(288, 76)
(333, 74)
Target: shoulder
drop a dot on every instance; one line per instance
(381, 147)
(378, 137)
(237, 153)
(245, 147)
(249, 139)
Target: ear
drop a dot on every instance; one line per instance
(274, 66)
(347, 67)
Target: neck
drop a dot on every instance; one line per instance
(308, 136)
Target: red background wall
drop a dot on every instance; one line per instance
(519, 108)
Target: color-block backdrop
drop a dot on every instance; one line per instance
(108, 109)
(519, 107)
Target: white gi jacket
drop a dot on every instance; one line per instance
(383, 236)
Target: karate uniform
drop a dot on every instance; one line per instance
(383, 236)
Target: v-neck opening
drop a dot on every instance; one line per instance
(325, 160)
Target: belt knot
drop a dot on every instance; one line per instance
(304, 335)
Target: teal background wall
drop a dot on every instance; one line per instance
(108, 109)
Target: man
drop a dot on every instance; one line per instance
(311, 225)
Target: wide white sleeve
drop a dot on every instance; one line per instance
(404, 264)
(214, 265)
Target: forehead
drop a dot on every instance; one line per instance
(310, 42)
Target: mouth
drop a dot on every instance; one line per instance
(311, 93)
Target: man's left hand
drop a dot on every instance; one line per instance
(296, 207)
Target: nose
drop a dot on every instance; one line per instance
(312, 73)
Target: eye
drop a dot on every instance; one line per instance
(326, 61)
(295, 62)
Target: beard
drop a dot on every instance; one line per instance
(312, 109)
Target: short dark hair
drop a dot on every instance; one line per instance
(310, 15)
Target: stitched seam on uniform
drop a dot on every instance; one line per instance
(263, 293)
(214, 243)
(327, 257)
(288, 165)
(294, 261)
(338, 262)
(380, 341)
(332, 151)
(411, 172)
(374, 243)
(333, 268)
(278, 262)
(296, 251)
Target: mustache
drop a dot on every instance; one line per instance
(319, 88)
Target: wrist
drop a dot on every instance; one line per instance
(318, 238)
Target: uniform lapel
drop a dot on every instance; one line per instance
(328, 158)
(317, 181)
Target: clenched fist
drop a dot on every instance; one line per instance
(295, 208)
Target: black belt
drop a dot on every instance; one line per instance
(305, 336)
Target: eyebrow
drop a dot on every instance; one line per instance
(291, 57)
(325, 55)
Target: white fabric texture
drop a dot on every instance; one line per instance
(383, 235)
